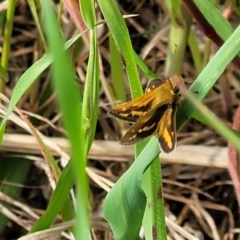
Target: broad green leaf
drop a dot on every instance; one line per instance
(125, 203)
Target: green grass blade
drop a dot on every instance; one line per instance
(154, 216)
(90, 99)
(57, 200)
(7, 40)
(212, 72)
(88, 13)
(33, 5)
(120, 34)
(142, 65)
(67, 210)
(117, 71)
(70, 104)
(3, 74)
(195, 51)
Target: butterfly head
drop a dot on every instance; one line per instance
(177, 83)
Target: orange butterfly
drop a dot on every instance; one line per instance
(153, 112)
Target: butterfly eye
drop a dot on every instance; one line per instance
(176, 90)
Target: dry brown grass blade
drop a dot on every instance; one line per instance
(174, 227)
(206, 217)
(19, 205)
(3, 5)
(113, 151)
(57, 231)
(14, 217)
(53, 233)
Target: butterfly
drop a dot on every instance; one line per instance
(153, 113)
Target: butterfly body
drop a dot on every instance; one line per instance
(153, 113)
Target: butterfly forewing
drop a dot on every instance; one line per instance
(155, 96)
(133, 110)
(166, 129)
(145, 126)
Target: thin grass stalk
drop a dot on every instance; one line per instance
(34, 6)
(195, 51)
(181, 22)
(90, 102)
(117, 71)
(7, 40)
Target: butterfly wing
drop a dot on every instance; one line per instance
(133, 110)
(158, 93)
(166, 129)
(155, 111)
(144, 126)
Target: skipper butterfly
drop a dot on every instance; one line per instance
(153, 113)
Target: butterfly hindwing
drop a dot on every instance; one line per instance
(145, 126)
(166, 129)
